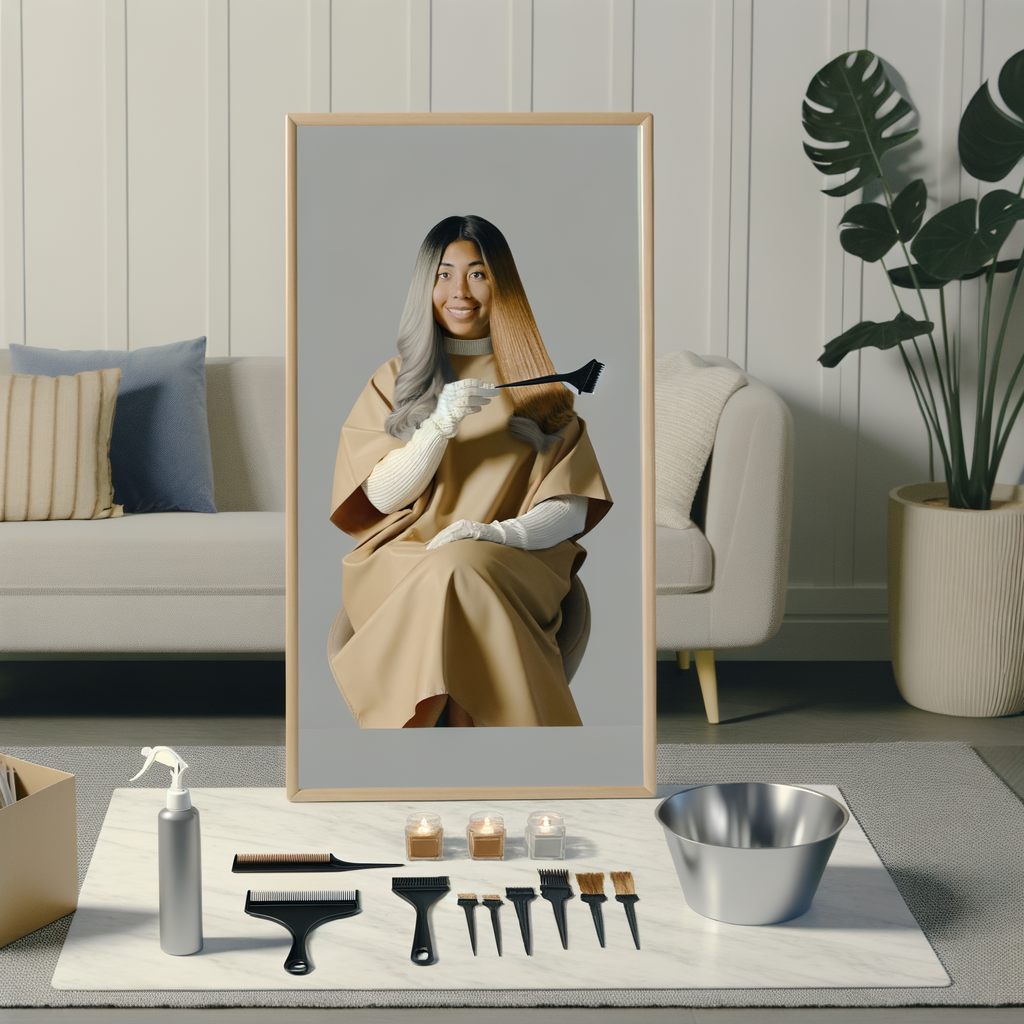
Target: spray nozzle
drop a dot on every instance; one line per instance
(167, 756)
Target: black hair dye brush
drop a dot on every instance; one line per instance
(625, 893)
(469, 903)
(520, 896)
(300, 913)
(296, 862)
(422, 893)
(584, 380)
(592, 893)
(555, 888)
(493, 902)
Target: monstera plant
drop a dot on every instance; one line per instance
(850, 111)
(955, 550)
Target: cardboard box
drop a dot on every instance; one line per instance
(38, 850)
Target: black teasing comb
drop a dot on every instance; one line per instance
(296, 862)
(300, 913)
(584, 380)
(422, 893)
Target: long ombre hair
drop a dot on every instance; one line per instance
(519, 351)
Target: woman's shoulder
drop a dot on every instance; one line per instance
(385, 376)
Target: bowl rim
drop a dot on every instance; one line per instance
(775, 785)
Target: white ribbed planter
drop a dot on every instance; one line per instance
(956, 602)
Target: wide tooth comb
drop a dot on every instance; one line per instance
(300, 913)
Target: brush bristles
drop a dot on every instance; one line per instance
(467, 896)
(554, 878)
(592, 378)
(492, 898)
(284, 858)
(519, 890)
(623, 882)
(319, 896)
(436, 882)
(591, 883)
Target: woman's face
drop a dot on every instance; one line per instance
(462, 292)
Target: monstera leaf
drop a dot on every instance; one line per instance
(869, 231)
(900, 276)
(991, 142)
(841, 106)
(951, 246)
(871, 335)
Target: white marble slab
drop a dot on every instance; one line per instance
(858, 932)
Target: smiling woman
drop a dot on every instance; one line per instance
(466, 504)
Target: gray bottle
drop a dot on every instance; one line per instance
(181, 874)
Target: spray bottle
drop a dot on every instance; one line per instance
(181, 877)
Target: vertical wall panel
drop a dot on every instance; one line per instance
(572, 54)
(218, 180)
(167, 171)
(269, 79)
(115, 59)
(674, 69)
(470, 55)
(65, 163)
(520, 60)
(12, 199)
(370, 55)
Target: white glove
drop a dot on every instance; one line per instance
(544, 526)
(402, 475)
(459, 399)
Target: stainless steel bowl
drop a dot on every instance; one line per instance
(751, 852)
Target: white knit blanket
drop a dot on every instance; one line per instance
(689, 395)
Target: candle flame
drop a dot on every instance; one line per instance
(488, 827)
(423, 827)
(545, 824)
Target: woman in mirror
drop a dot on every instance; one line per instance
(466, 503)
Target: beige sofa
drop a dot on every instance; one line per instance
(181, 583)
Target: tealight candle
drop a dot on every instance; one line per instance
(424, 836)
(545, 836)
(486, 836)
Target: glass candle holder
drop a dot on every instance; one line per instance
(545, 836)
(486, 836)
(424, 836)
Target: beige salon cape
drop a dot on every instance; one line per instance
(472, 619)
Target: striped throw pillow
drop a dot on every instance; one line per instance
(55, 445)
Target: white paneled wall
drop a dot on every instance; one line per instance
(142, 193)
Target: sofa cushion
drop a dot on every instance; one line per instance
(684, 562)
(54, 445)
(160, 446)
(164, 553)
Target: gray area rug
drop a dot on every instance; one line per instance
(948, 830)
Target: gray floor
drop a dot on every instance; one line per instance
(99, 703)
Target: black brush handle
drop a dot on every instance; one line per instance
(629, 902)
(558, 899)
(595, 902)
(469, 908)
(523, 913)
(496, 927)
(344, 865)
(297, 961)
(422, 944)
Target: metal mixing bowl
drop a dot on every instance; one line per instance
(751, 852)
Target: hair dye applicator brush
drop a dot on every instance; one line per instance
(520, 896)
(300, 913)
(422, 893)
(592, 893)
(584, 380)
(469, 903)
(493, 903)
(295, 862)
(625, 893)
(555, 888)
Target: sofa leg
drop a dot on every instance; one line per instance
(683, 660)
(708, 683)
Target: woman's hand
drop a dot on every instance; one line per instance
(467, 529)
(459, 399)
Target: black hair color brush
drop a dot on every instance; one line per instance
(296, 862)
(625, 893)
(555, 888)
(493, 903)
(469, 903)
(584, 380)
(592, 893)
(520, 896)
(300, 913)
(422, 893)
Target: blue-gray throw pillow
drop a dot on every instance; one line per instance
(160, 446)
